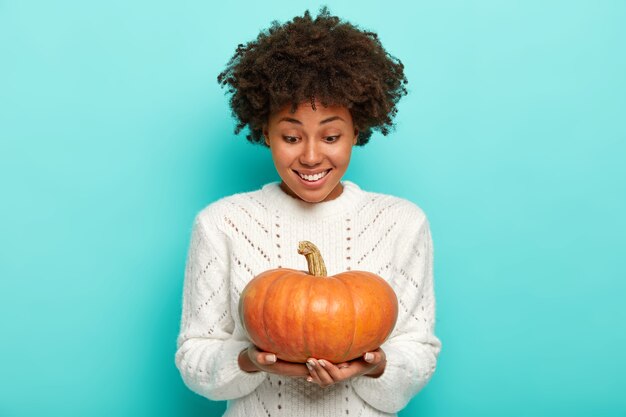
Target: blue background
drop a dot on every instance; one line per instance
(114, 133)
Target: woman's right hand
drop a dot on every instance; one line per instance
(253, 360)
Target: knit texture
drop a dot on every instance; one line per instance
(239, 236)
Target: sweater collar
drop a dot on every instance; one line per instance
(346, 201)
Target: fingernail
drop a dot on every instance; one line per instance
(271, 358)
(321, 362)
(310, 362)
(308, 365)
(309, 379)
(369, 356)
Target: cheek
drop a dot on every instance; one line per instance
(341, 156)
(282, 157)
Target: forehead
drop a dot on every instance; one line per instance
(305, 112)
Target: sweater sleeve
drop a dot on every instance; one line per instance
(207, 351)
(412, 348)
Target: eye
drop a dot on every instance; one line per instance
(331, 139)
(290, 139)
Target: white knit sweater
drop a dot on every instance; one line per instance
(240, 236)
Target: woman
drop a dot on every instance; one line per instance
(310, 90)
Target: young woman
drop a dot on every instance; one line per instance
(310, 90)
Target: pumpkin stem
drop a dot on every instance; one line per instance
(313, 258)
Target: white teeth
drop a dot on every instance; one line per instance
(314, 177)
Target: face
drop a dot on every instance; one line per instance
(316, 144)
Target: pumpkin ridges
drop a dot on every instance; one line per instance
(308, 326)
(252, 313)
(272, 345)
(379, 313)
(305, 311)
(294, 288)
(346, 354)
(330, 318)
(359, 314)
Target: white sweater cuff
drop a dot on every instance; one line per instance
(218, 377)
(235, 381)
(390, 391)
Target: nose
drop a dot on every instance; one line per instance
(311, 153)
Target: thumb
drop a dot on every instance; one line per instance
(265, 358)
(270, 358)
(372, 357)
(261, 357)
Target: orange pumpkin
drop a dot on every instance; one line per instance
(298, 315)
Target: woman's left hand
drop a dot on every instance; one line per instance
(325, 373)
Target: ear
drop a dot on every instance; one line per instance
(356, 136)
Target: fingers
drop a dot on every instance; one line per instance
(268, 362)
(324, 373)
(289, 369)
(320, 371)
(313, 377)
(319, 375)
(333, 373)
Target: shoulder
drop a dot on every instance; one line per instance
(217, 213)
(409, 214)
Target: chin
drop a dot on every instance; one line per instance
(310, 197)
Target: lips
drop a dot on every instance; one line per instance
(313, 178)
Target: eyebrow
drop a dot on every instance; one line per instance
(296, 121)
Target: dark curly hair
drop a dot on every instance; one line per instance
(323, 59)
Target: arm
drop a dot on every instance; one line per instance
(207, 351)
(412, 349)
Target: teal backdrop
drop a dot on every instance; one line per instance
(114, 134)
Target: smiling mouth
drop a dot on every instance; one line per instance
(313, 178)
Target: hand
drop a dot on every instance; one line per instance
(325, 373)
(253, 360)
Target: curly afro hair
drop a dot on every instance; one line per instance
(307, 59)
